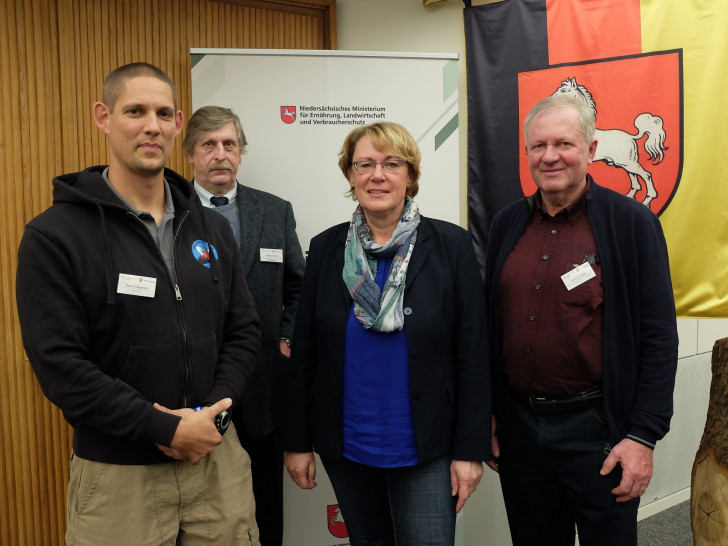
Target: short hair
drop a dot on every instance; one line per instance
(554, 102)
(386, 136)
(209, 118)
(113, 84)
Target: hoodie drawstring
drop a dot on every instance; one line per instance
(108, 260)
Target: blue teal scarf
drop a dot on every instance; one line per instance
(374, 309)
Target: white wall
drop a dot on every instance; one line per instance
(404, 25)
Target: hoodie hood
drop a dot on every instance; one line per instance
(89, 187)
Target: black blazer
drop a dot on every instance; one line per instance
(444, 324)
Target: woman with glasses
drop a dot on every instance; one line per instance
(388, 380)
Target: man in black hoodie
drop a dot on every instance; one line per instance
(139, 325)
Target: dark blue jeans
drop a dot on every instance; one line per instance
(409, 506)
(549, 472)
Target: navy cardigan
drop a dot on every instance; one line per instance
(640, 330)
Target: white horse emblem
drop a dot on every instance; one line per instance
(619, 148)
(288, 113)
(337, 517)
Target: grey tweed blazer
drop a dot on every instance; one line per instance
(267, 222)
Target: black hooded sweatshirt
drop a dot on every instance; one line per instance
(103, 355)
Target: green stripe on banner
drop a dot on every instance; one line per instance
(196, 58)
(449, 79)
(444, 133)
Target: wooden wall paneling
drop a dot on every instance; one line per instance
(31, 458)
(53, 453)
(248, 30)
(83, 44)
(19, 465)
(7, 475)
(260, 33)
(83, 86)
(230, 13)
(55, 131)
(34, 102)
(31, 467)
(14, 144)
(210, 24)
(278, 28)
(69, 84)
(49, 138)
(180, 44)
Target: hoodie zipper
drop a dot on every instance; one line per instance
(178, 297)
(188, 356)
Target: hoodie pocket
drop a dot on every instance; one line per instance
(203, 362)
(157, 372)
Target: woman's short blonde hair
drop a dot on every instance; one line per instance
(387, 137)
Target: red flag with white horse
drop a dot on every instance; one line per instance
(637, 105)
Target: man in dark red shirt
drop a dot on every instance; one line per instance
(584, 338)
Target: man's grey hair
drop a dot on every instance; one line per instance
(209, 118)
(555, 102)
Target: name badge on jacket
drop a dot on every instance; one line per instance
(136, 285)
(271, 255)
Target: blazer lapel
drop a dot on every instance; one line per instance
(340, 247)
(420, 253)
(251, 222)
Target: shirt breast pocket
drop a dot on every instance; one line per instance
(583, 289)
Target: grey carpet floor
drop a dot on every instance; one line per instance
(670, 527)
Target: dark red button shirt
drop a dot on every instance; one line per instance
(552, 337)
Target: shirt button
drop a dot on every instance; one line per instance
(407, 310)
(532, 317)
(538, 287)
(553, 232)
(545, 256)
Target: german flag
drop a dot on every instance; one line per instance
(654, 73)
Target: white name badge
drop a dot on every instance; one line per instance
(578, 275)
(271, 255)
(135, 285)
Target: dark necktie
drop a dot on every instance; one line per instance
(218, 201)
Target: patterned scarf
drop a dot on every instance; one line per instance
(379, 310)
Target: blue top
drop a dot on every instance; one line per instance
(377, 414)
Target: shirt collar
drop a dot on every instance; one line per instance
(205, 195)
(572, 211)
(168, 203)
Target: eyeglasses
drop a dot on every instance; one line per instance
(389, 165)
